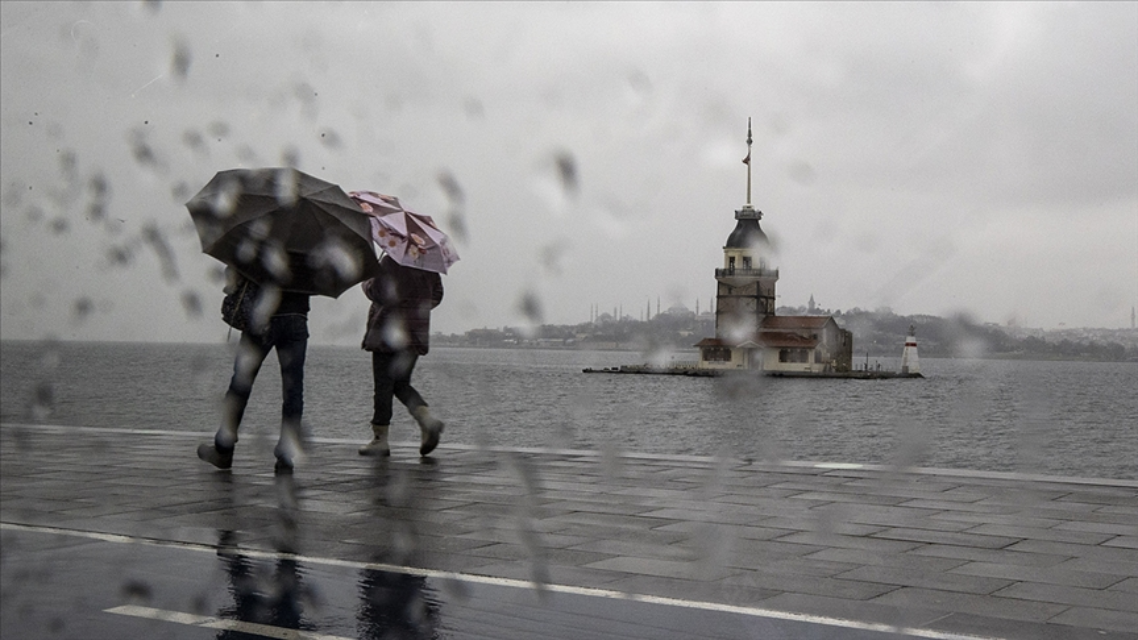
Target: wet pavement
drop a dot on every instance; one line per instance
(116, 533)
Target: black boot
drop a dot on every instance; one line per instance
(220, 458)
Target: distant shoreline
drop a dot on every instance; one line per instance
(604, 349)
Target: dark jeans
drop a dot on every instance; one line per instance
(392, 375)
(288, 334)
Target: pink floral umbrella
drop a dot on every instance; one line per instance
(411, 239)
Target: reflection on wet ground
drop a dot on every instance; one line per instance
(261, 595)
(258, 595)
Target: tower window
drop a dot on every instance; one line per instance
(747, 262)
(731, 263)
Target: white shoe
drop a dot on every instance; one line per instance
(378, 445)
(431, 429)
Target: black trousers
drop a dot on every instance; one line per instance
(392, 374)
(288, 334)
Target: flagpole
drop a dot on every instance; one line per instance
(748, 163)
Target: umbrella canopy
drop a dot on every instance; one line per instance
(285, 228)
(411, 239)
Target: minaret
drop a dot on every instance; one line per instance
(909, 363)
(746, 283)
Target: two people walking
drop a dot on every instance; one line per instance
(405, 286)
(397, 335)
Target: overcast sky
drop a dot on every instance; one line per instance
(928, 157)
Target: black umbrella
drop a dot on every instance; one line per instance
(285, 228)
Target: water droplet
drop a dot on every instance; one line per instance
(567, 172)
(192, 303)
(290, 157)
(83, 308)
(530, 307)
(286, 187)
(156, 239)
(194, 140)
(136, 591)
(451, 188)
(43, 401)
(330, 139)
(96, 212)
(180, 61)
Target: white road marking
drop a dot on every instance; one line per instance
(268, 631)
(506, 582)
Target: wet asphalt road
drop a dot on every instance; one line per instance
(62, 585)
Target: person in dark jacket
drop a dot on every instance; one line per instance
(287, 332)
(398, 333)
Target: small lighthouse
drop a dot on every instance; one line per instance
(910, 365)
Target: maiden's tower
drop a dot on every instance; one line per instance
(748, 333)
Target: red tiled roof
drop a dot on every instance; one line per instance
(786, 339)
(778, 339)
(779, 332)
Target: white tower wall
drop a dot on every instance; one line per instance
(909, 361)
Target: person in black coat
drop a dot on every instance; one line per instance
(280, 321)
(398, 333)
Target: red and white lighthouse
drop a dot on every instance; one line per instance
(909, 363)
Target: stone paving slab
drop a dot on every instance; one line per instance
(984, 554)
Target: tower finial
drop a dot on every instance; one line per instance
(747, 161)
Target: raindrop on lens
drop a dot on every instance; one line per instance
(96, 212)
(275, 261)
(83, 308)
(530, 307)
(456, 589)
(194, 140)
(394, 334)
(136, 591)
(330, 139)
(333, 253)
(180, 61)
(43, 401)
(191, 302)
(181, 192)
(451, 188)
(286, 187)
(567, 172)
(290, 157)
(157, 241)
(119, 256)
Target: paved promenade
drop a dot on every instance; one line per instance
(932, 553)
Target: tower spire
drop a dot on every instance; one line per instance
(747, 161)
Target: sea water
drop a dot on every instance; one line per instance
(1058, 418)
